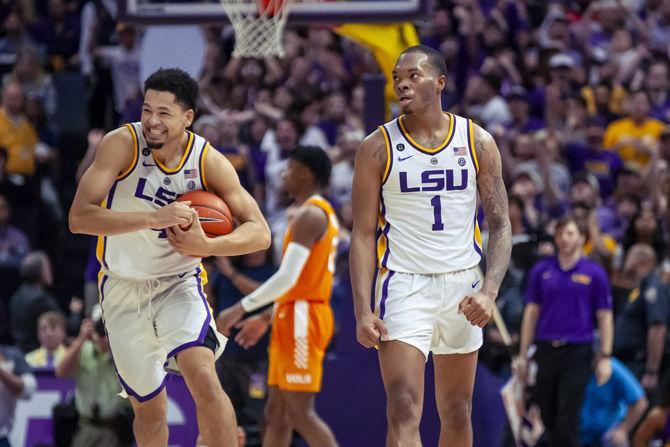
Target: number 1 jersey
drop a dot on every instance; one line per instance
(428, 207)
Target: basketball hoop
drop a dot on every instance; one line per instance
(258, 26)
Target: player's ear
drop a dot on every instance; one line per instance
(190, 114)
(441, 82)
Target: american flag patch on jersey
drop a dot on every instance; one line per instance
(190, 173)
(459, 150)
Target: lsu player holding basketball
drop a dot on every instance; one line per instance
(302, 324)
(151, 281)
(416, 246)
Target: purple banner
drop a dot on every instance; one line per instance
(32, 424)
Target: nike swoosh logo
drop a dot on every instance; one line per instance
(404, 158)
(474, 284)
(144, 163)
(181, 275)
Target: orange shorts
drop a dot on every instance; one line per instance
(301, 331)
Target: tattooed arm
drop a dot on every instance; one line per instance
(494, 198)
(369, 168)
(478, 306)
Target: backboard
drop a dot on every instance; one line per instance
(301, 11)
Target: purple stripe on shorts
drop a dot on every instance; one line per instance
(205, 326)
(385, 293)
(373, 292)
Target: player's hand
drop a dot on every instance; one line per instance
(191, 242)
(174, 214)
(477, 308)
(603, 371)
(86, 330)
(251, 330)
(228, 317)
(369, 330)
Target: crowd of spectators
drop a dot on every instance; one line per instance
(576, 94)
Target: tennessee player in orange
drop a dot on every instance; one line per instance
(302, 322)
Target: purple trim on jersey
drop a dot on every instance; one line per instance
(110, 197)
(474, 236)
(471, 145)
(385, 232)
(446, 144)
(203, 331)
(136, 157)
(189, 149)
(373, 294)
(390, 154)
(102, 288)
(385, 293)
(201, 165)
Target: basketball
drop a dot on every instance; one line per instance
(213, 212)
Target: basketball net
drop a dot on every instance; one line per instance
(258, 25)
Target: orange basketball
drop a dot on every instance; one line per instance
(213, 213)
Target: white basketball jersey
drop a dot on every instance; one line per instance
(428, 207)
(146, 186)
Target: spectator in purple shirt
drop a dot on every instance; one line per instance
(565, 295)
(593, 158)
(522, 121)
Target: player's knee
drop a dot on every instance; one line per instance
(203, 383)
(150, 417)
(455, 411)
(403, 408)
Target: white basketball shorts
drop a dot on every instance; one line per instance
(422, 310)
(149, 322)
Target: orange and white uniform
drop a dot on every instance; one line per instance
(302, 324)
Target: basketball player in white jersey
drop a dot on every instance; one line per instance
(151, 282)
(416, 247)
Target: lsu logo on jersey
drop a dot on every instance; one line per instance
(433, 180)
(161, 196)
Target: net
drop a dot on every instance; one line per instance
(258, 26)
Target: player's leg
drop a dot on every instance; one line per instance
(150, 423)
(402, 367)
(278, 430)
(454, 381)
(305, 420)
(455, 344)
(136, 351)
(216, 417)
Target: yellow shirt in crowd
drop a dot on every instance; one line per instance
(626, 127)
(19, 138)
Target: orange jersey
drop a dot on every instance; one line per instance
(316, 280)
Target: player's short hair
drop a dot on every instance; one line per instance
(177, 82)
(52, 318)
(316, 160)
(434, 57)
